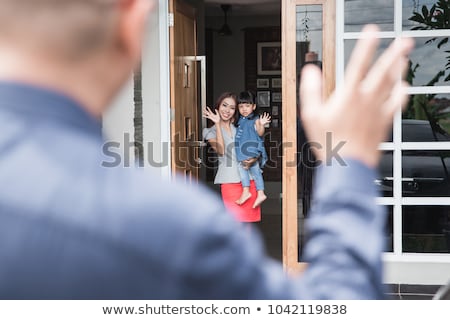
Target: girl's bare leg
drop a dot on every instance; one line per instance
(261, 196)
(244, 196)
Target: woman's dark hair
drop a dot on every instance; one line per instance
(224, 96)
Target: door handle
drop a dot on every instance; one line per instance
(202, 61)
(198, 144)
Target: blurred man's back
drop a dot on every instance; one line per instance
(72, 229)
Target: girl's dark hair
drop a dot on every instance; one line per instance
(224, 96)
(246, 97)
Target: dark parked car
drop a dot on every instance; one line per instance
(424, 172)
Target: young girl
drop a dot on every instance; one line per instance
(221, 138)
(250, 151)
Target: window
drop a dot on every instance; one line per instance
(414, 175)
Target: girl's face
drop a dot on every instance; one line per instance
(227, 109)
(245, 109)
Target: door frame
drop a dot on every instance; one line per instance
(289, 129)
(189, 12)
(163, 34)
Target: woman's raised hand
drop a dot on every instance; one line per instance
(213, 116)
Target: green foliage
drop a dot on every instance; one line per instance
(435, 18)
(424, 106)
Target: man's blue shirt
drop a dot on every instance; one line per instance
(72, 229)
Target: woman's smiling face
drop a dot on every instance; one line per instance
(227, 109)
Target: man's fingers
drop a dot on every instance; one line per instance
(362, 56)
(397, 100)
(388, 68)
(311, 88)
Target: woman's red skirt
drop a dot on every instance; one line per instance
(244, 213)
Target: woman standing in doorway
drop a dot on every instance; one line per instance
(221, 138)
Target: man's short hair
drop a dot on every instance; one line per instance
(69, 27)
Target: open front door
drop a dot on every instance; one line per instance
(308, 36)
(185, 91)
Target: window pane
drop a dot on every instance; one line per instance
(309, 26)
(426, 229)
(386, 176)
(425, 173)
(350, 44)
(360, 12)
(427, 118)
(309, 39)
(389, 231)
(429, 61)
(415, 17)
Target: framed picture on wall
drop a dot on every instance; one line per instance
(276, 96)
(274, 111)
(262, 83)
(269, 58)
(276, 83)
(263, 99)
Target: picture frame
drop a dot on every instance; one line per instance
(276, 97)
(262, 83)
(276, 83)
(275, 111)
(263, 99)
(269, 58)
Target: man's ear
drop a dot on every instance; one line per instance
(132, 22)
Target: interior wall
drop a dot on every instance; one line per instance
(199, 6)
(228, 51)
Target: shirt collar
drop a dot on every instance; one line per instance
(46, 105)
(249, 117)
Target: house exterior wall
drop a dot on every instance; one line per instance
(118, 123)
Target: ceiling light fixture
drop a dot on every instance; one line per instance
(225, 30)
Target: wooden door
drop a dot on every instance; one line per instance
(297, 28)
(184, 92)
